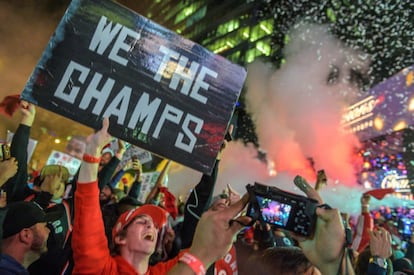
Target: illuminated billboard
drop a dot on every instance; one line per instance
(388, 107)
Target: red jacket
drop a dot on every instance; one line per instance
(362, 237)
(90, 246)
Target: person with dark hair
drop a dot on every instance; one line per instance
(111, 213)
(403, 266)
(58, 257)
(135, 233)
(52, 180)
(24, 229)
(106, 195)
(281, 261)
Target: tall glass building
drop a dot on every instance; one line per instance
(230, 28)
(235, 29)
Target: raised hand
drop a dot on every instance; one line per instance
(233, 195)
(96, 141)
(28, 113)
(121, 149)
(326, 248)
(380, 243)
(215, 231)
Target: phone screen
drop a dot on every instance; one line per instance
(274, 212)
(407, 227)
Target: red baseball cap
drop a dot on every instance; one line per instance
(158, 215)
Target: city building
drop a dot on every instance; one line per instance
(229, 28)
(242, 31)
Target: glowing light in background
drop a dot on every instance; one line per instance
(378, 123)
(400, 125)
(411, 104)
(271, 169)
(409, 79)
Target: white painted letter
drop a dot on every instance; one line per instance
(93, 92)
(168, 54)
(170, 113)
(122, 101)
(144, 111)
(67, 81)
(121, 45)
(199, 83)
(103, 36)
(179, 143)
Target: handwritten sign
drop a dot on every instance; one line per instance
(59, 158)
(161, 92)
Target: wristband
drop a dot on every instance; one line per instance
(91, 159)
(193, 262)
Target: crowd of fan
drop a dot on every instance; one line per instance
(53, 223)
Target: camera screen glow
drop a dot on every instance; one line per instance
(274, 212)
(407, 227)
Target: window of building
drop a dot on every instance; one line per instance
(235, 57)
(264, 28)
(243, 33)
(251, 55)
(219, 46)
(264, 47)
(197, 16)
(186, 12)
(228, 27)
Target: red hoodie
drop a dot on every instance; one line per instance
(90, 250)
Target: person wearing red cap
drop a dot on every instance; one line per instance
(135, 233)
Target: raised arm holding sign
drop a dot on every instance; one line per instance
(161, 92)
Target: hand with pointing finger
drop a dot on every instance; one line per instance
(215, 232)
(326, 248)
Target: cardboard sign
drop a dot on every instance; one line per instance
(131, 151)
(162, 92)
(142, 155)
(59, 158)
(148, 181)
